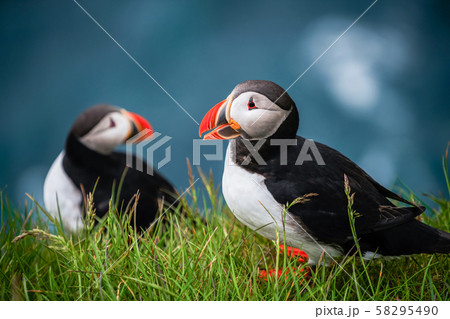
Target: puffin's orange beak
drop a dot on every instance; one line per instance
(139, 126)
(219, 121)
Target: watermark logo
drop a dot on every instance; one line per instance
(290, 152)
(306, 152)
(147, 145)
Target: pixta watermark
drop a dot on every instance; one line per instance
(306, 152)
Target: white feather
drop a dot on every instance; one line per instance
(62, 197)
(261, 122)
(104, 138)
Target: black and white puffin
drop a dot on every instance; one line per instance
(256, 185)
(89, 156)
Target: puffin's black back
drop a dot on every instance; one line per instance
(85, 167)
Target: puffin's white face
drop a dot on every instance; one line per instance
(257, 116)
(251, 115)
(103, 127)
(113, 130)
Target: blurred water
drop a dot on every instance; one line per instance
(380, 95)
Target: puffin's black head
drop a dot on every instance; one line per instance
(103, 127)
(255, 110)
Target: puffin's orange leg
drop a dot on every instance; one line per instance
(263, 274)
(294, 252)
(302, 257)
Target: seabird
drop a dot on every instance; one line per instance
(267, 166)
(89, 161)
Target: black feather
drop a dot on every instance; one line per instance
(85, 166)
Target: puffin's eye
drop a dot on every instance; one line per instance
(251, 105)
(112, 123)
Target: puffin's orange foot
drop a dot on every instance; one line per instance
(294, 252)
(302, 271)
(301, 256)
(263, 273)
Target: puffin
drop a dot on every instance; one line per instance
(89, 163)
(269, 166)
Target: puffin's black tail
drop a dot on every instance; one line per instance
(413, 237)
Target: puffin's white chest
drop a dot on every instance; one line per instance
(245, 194)
(251, 202)
(61, 196)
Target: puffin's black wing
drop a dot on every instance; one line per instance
(166, 192)
(90, 170)
(326, 214)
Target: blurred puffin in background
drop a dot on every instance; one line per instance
(89, 161)
(259, 115)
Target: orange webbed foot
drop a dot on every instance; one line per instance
(301, 256)
(294, 252)
(264, 274)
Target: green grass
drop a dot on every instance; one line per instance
(188, 258)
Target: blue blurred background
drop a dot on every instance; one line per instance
(380, 95)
